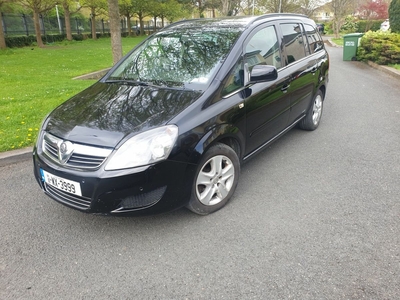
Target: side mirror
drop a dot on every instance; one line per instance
(263, 73)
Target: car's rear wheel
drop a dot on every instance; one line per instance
(314, 113)
(215, 181)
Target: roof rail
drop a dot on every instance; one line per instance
(255, 18)
(278, 15)
(179, 22)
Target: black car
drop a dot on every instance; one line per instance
(170, 125)
(321, 28)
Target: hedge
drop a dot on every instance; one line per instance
(30, 40)
(380, 47)
(351, 25)
(374, 25)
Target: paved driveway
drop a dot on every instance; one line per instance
(315, 216)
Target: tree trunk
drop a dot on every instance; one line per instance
(93, 23)
(2, 38)
(67, 17)
(115, 30)
(37, 29)
(141, 24)
(129, 24)
(338, 25)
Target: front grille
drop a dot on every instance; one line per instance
(85, 161)
(76, 156)
(79, 202)
(50, 149)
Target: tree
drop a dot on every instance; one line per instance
(200, 5)
(115, 30)
(374, 10)
(156, 10)
(141, 9)
(127, 10)
(229, 7)
(171, 10)
(394, 15)
(2, 38)
(67, 6)
(278, 6)
(212, 5)
(96, 8)
(38, 7)
(308, 7)
(340, 9)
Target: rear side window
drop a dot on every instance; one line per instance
(294, 41)
(314, 39)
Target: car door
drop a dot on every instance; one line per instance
(267, 104)
(317, 52)
(301, 66)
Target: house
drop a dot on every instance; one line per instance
(323, 13)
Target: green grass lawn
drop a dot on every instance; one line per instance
(338, 41)
(397, 66)
(33, 81)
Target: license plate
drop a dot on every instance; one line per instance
(60, 183)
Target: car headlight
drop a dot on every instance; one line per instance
(145, 148)
(42, 128)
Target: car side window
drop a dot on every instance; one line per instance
(261, 49)
(294, 42)
(235, 79)
(314, 39)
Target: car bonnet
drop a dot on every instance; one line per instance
(105, 113)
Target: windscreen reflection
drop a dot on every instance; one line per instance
(186, 58)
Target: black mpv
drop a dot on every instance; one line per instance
(171, 123)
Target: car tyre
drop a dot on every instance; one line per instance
(314, 113)
(215, 180)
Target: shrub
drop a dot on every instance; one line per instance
(373, 25)
(20, 41)
(394, 15)
(350, 25)
(380, 47)
(49, 39)
(27, 41)
(30, 40)
(328, 27)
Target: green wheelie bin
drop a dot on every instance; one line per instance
(351, 42)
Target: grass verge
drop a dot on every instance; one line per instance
(36, 80)
(338, 41)
(396, 66)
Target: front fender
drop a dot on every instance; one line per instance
(225, 133)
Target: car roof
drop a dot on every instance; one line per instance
(239, 21)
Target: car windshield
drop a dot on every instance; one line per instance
(180, 57)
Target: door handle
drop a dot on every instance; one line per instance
(285, 88)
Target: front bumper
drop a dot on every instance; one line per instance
(147, 190)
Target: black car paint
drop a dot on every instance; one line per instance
(117, 110)
(247, 120)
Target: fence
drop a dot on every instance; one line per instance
(22, 24)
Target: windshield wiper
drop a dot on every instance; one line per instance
(128, 82)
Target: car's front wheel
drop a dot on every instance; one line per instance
(215, 181)
(313, 116)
